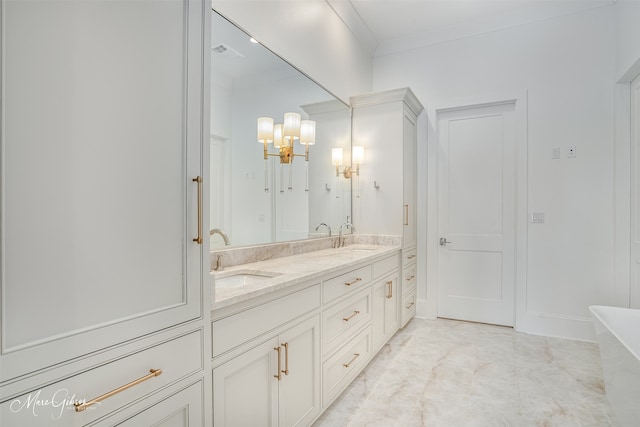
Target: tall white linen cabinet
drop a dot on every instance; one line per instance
(384, 201)
(105, 299)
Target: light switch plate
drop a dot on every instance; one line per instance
(537, 217)
(572, 152)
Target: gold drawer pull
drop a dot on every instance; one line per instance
(355, 313)
(390, 291)
(406, 214)
(411, 256)
(198, 239)
(410, 305)
(80, 406)
(358, 279)
(355, 356)
(278, 375)
(410, 278)
(286, 358)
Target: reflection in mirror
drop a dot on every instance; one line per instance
(247, 82)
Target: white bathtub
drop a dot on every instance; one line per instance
(618, 331)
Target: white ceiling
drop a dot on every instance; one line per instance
(387, 26)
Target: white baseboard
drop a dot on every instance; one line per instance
(556, 326)
(422, 310)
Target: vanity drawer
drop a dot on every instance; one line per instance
(409, 255)
(345, 283)
(230, 332)
(53, 405)
(409, 279)
(343, 319)
(408, 307)
(382, 267)
(340, 369)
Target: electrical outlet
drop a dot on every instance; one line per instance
(555, 153)
(572, 152)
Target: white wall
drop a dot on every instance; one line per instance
(309, 35)
(567, 65)
(628, 32)
(333, 122)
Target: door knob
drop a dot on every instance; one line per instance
(443, 241)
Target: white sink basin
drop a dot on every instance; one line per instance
(242, 278)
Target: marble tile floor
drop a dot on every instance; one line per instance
(457, 374)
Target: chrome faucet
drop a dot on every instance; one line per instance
(328, 227)
(219, 231)
(342, 241)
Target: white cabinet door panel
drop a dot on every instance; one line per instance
(299, 390)
(634, 294)
(101, 139)
(245, 392)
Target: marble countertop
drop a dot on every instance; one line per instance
(293, 270)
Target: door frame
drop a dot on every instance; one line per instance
(622, 169)
(428, 305)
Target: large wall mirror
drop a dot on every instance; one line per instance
(249, 81)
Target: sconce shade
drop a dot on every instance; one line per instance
(357, 155)
(277, 136)
(336, 156)
(291, 129)
(307, 132)
(265, 130)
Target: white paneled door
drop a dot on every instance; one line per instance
(476, 211)
(635, 192)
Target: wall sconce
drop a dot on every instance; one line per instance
(283, 137)
(357, 158)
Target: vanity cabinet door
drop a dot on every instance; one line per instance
(276, 383)
(385, 319)
(409, 231)
(245, 391)
(299, 390)
(102, 126)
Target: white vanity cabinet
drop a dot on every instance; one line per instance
(274, 378)
(409, 285)
(386, 300)
(182, 409)
(281, 358)
(386, 317)
(385, 124)
(103, 115)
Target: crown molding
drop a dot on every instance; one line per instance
(405, 95)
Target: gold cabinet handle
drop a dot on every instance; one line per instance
(355, 356)
(410, 278)
(411, 256)
(81, 406)
(406, 214)
(358, 279)
(410, 305)
(198, 239)
(286, 358)
(390, 289)
(278, 375)
(355, 313)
